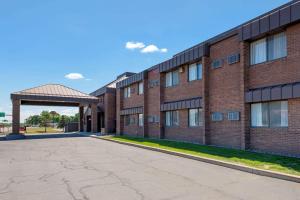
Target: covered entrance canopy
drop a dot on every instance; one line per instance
(53, 95)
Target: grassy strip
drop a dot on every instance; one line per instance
(276, 163)
(32, 130)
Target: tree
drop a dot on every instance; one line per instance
(33, 120)
(54, 116)
(45, 118)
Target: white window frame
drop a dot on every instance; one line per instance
(172, 118)
(257, 119)
(197, 67)
(195, 117)
(170, 80)
(141, 88)
(267, 50)
(141, 120)
(127, 92)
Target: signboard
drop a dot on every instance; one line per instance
(2, 114)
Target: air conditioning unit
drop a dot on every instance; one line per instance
(181, 69)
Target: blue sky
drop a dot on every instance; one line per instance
(43, 41)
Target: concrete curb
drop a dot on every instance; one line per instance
(214, 162)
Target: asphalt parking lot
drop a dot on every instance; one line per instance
(83, 168)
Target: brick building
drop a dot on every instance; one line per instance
(106, 107)
(239, 89)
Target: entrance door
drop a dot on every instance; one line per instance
(88, 124)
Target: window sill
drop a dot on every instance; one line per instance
(269, 61)
(173, 86)
(192, 81)
(268, 127)
(195, 127)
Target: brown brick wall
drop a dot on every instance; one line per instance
(280, 71)
(185, 89)
(225, 94)
(135, 100)
(119, 105)
(222, 91)
(183, 132)
(153, 103)
(133, 129)
(110, 112)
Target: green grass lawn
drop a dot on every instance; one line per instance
(276, 163)
(32, 130)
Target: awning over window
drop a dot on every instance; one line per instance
(182, 104)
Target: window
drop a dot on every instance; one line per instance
(172, 118)
(268, 48)
(233, 116)
(216, 64)
(141, 119)
(132, 120)
(234, 58)
(217, 116)
(127, 92)
(141, 88)
(272, 114)
(127, 120)
(195, 72)
(195, 117)
(172, 78)
(277, 46)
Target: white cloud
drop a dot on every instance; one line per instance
(145, 49)
(74, 76)
(164, 50)
(153, 48)
(134, 45)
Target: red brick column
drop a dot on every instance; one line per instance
(161, 101)
(81, 115)
(205, 99)
(245, 112)
(16, 116)
(145, 113)
(110, 112)
(119, 103)
(94, 118)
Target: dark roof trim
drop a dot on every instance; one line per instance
(271, 21)
(182, 104)
(273, 93)
(102, 91)
(46, 103)
(127, 74)
(106, 89)
(132, 111)
(132, 79)
(27, 98)
(190, 56)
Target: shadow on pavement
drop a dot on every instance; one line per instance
(43, 136)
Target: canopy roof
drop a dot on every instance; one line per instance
(53, 94)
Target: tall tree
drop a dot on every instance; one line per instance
(53, 114)
(45, 119)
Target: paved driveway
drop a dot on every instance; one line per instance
(86, 168)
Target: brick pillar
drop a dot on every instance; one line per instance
(94, 118)
(205, 99)
(81, 115)
(145, 84)
(245, 112)
(161, 101)
(110, 112)
(120, 119)
(16, 116)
